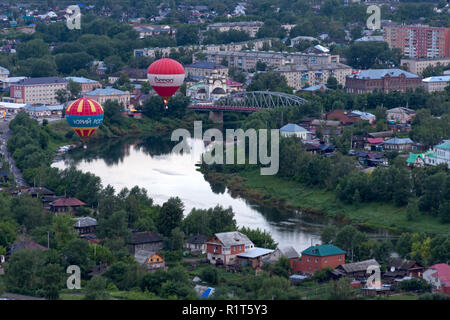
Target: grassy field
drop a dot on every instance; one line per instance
(292, 194)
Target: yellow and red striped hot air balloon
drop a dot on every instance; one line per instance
(84, 115)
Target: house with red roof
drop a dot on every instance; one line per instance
(63, 205)
(438, 276)
(373, 144)
(319, 257)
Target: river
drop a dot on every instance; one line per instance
(151, 164)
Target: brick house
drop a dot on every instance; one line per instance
(343, 116)
(319, 257)
(222, 248)
(146, 240)
(384, 80)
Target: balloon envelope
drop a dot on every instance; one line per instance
(84, 116)
(165, 76)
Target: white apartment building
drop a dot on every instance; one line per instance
(37, 90)
(438, 83)
(297, 76)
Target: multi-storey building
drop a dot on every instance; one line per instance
(37, 90)
(297, 76)
(86, 84)
(420, 41)
(418, 65)
(383, 80)
(247, 59)
(256, 44)
(438, 83)
(250, 27)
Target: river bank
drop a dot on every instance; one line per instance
(281, 193)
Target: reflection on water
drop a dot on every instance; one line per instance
(149, 163)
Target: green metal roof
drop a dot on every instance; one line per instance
(413, 156)
(323, 250)
(445, 146)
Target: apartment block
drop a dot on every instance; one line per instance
(418, 65)
(37, 90)
(247, 59)
(297, 76)
(419, 41)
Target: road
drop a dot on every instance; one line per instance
(4, 136)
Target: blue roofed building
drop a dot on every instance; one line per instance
(201, 69)
(109, 93)
(383, 80)
(398, 144)
(293, 130)
(438, 83)
(86, 84)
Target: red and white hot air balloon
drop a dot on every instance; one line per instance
(165, 77)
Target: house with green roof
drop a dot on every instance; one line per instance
(415, 160)
(439, 154)
(319, 257)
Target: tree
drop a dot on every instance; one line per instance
(170, 216)
(74, 89)
(63, 229)
(96, 289)
(7, 233)
(271, 81)
(412, 210)
(328, 234)
(176, 239)
(332, 83)
(260, 238)
(35, 48)
(341, 290)
(62, 96)
(76, 252)
(210, 275)
(187, 34)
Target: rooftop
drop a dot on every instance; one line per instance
(145, 237)
(85, 222)
(106, 92)
(206, 65)
(291, 127)
(381, 73)
(399, 141)
(255, 253)
(233, 238)
(81, 80)
(323, 250)
(41, 81)
(67, 202)
(445, 146)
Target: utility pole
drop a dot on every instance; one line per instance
(48, 239)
